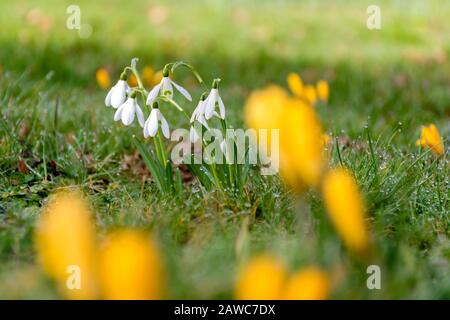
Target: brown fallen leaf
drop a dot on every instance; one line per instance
(22, 167)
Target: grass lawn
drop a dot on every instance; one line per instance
(384, 85)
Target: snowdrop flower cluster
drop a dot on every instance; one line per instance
(125, 100)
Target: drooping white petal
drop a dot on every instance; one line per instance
(153, 94)
(164, 125)
(193, 135)
(128, 112)
(182, 90)
(118, 114)
(223, 146)
(152, 127)
(197, 110)
(146, 134)
(119, 93)
(108, 97)
(202, 120)
(140, 115)
(221, 107)
(166, 87)
(210, 104)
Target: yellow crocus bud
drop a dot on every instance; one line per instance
(323, 90)
(307, 284)
(262, 278)
(131, 267)
(346, 209)
(310, 94)
(102, 76)
(295, 84)
(65, 244)
(430, 138)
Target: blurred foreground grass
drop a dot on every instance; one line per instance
(386, 83)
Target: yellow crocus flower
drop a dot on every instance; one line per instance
(301, 151)
(295, 84)
(345, 207)
(131, 267)
(430, 138)
(307, 284)
(323, 90)
(102, 76)
(262, 278)
(65, 243)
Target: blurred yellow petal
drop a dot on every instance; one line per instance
(326, 139)
(430, 138)
(310, 94)
(346, 209)
(157, 77)
(295, 84)
(65, 238)
(262, 278)
(102, 76)
(132, 80)
(301, 142)
(302, 158)
(147, 76)
(131, 267)
(307, 284)
(323, 90)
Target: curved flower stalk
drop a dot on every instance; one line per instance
(128, 110)
(165, 88)
(156, 120)
(118, 93)
(214, 100)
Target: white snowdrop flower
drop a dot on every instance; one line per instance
(128, 110)
(213, 100)
(199, 112)
(118, 93)
(165, 88)
(154, 121)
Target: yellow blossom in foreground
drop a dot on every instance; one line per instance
(65, 243)
(102, 76)
(131, 267)
(431, 139)
(346, 209)
(262, 278)
(307, 284)
(301, 148)
(310, 94)
(295, 84)
(323, 90)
